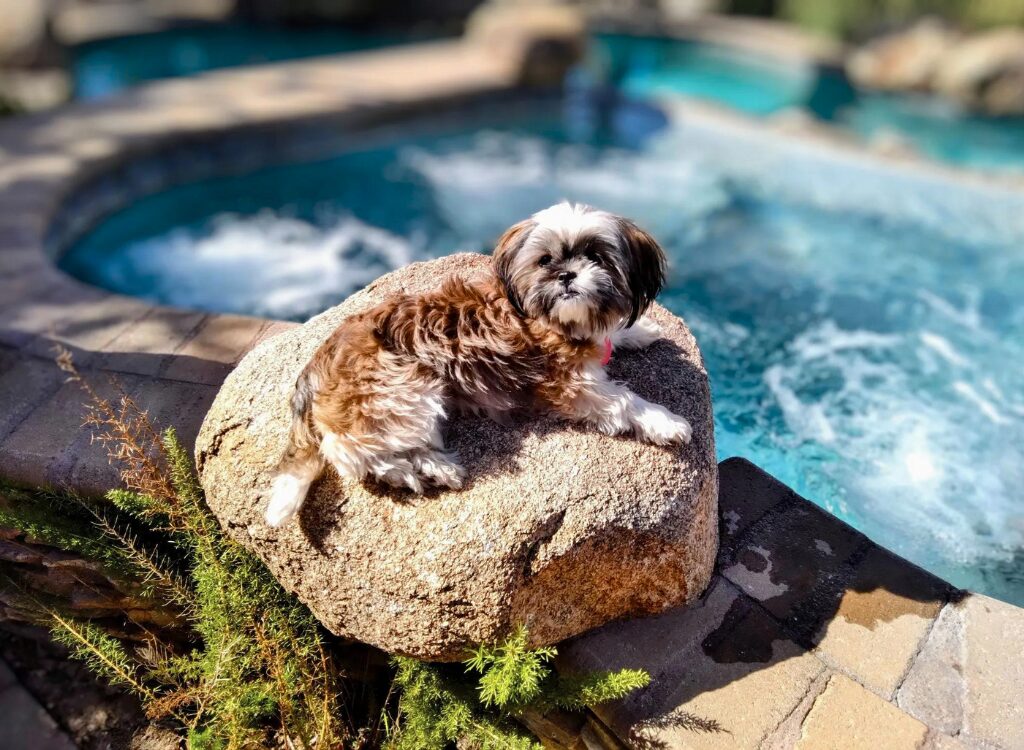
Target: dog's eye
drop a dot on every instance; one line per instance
(544, 260)
(592, 256)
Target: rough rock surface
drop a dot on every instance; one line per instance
(986, 72)
(558, 528)
(903, 61)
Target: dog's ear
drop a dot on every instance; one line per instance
(645, 268)
(505, 253)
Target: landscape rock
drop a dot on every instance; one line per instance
(986, 72)
(544, 39)
(905, 60)
(558, 528)
(982, 72)
(22, 29)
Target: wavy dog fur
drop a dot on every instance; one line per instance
(372, 400)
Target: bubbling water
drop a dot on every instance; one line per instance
(861, 357)
(862, 328)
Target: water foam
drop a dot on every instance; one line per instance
(269, 264)
(859, 331)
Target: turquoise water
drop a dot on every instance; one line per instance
(640, 66)
(650, 66)
(106, 66)
(860, 327)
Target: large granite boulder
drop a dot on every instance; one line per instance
(558, 528)
(986, 72)
(905, 60)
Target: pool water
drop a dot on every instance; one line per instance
(757, 85)
(860, 327)
(106, 66)
(640, 66)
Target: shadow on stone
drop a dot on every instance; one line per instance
(795, 590)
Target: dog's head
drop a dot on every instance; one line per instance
(582, 271)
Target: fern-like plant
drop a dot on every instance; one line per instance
(255, 661)
(439, 705)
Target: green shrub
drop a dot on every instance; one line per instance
(255, 661)
(856, 18)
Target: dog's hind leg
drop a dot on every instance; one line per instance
(291, 485)
(438, 467)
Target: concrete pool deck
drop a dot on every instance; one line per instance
(809, 636)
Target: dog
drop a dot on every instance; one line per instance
(569, 284)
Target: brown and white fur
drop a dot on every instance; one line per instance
(372, 400)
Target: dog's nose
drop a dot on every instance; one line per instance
(566, 277)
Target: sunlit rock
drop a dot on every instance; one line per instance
(559, 528)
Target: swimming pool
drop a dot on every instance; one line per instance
(639, 65)
(760, 86)
(859, 325)
(103, 67)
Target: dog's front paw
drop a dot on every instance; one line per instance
(640, 335)
(661, 427)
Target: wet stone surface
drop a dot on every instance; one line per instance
(811, 636)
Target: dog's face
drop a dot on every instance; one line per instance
(582, 271)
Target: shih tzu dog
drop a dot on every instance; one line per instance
(569, 283)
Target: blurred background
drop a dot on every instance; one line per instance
(839, 186)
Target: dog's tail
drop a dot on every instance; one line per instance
(302, 462)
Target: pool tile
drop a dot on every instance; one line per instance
(885, 612)
(863, 720)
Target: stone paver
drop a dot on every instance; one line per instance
(968, 679)
(894, 658)
(795, 561)
(993, 671)
(278, 326)
(214, 350)
(748, 679)
(725, 675)
(940, 741)
(23, 386)
(28, 452)
(654, 644)
(25, 725)
(80, 319)
(933, 690)
(745, 494)
(788, 732)
(85, 464)
(884, 614)
(144, 348)
(848, 716)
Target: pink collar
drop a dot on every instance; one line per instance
(606, 356)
